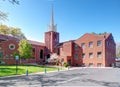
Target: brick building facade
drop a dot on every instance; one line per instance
(90, 50)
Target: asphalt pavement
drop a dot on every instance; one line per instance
(102, 77)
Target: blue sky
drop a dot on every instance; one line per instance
(73, 17)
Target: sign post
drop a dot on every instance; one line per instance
(17, 58)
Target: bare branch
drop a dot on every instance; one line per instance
(3, 16)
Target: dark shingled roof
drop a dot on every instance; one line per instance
(7, 37)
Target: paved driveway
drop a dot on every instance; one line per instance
(106, 77)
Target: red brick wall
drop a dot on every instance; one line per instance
(5, 47)
(37, 53)
(10, 60)
(51, 40)
(110, 51)
(67, 52)
(95, 60)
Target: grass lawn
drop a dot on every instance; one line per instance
(8, 70)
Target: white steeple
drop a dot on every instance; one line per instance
(52, 27)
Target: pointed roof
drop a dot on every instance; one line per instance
(52, 17)
(52, 27)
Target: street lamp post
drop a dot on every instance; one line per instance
(16, 57)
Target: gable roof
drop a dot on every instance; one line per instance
(8, 37)
(61, 44)
(102, 35)
(36, 43)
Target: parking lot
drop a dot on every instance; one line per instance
(105, 77)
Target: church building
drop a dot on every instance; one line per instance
(89, 50)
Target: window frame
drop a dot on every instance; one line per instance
(83, 56)
(91, 65)
(99, 43)
(76, 56)
(99, 64)
(90, 44)
(90, 55)
(99, 55)
(83, 45)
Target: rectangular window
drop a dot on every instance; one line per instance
(83, 55)
(83, 65)
(90, 65)
(99, 43)
(76, 47)
(91, 44)
(1, 54)
(58, 51)
(76, 56)
(83, 45)
(99, 65)
(90, 55)
(33, 50)
(99, 54)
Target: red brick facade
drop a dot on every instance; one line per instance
(9, 45)
(98, 50)
(6, 51)
(51, 40)
(90, 50)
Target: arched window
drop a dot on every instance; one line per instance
(41, 53)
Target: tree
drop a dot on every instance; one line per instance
(25, 49)
(13, 1)
(16, 32)
(99, 33)
(53, 57)
(15, 54)
(3, 15)
(4, 29)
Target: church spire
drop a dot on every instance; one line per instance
(52, 17)
(52, 27)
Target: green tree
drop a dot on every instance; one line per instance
(99, 33)
(4, 29)
(16, 32)
(15, 54)
(25, 49)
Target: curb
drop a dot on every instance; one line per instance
(31, 74)
(66, 69)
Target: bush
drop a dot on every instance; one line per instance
(65, 64)
(57, 63)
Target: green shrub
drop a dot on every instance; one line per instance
(65, 64)
(57, 63)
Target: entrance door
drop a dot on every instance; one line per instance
(69, 62)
